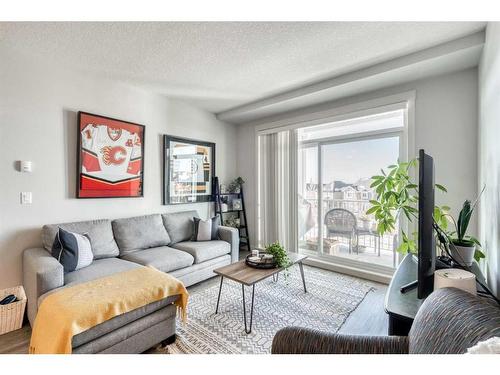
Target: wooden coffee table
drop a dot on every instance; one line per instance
(248, 276)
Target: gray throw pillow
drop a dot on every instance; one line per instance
(205, 230)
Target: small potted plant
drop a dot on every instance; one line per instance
(464, 248)
(224, 207)
(279, 254)
(233, 222)
(235, 185)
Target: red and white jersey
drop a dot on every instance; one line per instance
(110, 154)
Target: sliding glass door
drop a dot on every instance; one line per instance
(335, 165)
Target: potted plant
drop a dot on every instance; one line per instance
(396, 195)
(464, 248)
(279, 254)
(235, 185)
(233, 222)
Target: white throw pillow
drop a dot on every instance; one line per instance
(205, 230)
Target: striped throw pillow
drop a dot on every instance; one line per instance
(72, 250)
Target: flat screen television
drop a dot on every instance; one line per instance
(426, 238)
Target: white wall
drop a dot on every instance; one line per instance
(445, 126)
(38, 106)
(489, 151)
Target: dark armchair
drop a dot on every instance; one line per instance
(341, 222)
(448, 322)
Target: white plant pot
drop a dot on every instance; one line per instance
(464, 255)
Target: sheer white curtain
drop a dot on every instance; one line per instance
(277, 189)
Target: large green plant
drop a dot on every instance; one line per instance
(397, 194)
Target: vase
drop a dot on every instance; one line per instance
(464, 255)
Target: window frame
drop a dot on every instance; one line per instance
(353, 109)
(389, 133)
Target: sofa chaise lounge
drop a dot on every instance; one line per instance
(161, 241)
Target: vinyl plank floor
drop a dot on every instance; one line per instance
(369, 318)
(16, 342)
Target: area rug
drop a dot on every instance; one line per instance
(329, 300)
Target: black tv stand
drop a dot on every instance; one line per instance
(441, 263)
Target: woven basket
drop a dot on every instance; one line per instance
(11, 315)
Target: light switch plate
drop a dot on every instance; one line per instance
(26, 197)
(26, 166)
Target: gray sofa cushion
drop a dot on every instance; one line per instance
(98, 268)
(135, 337)
(121, 320)
(140, 232)
(99, 232)
(206, 250)
(179, 225)
(163, 258)
(196, 268)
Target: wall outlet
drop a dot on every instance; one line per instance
(26, 197)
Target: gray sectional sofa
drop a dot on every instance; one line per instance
(161, 241)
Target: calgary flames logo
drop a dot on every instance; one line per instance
(113, 155)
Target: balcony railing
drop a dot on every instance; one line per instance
(368, 241)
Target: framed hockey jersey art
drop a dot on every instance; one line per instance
(189, 167)
(110, 157)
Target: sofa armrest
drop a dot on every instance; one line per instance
(232, 236)
(294, 340)
(41, 273)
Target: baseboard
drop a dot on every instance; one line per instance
(368, 275)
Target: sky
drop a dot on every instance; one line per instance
(352, 160)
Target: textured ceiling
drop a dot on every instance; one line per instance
(221, 65)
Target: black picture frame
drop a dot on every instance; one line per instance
(167, 170)
(79, 158)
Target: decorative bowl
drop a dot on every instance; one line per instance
(266, 261)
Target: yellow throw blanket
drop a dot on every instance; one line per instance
(70, 311)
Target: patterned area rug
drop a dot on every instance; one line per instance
(329, 300)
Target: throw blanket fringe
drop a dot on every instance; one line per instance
(72, 310)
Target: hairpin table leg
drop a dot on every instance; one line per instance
(302, 274)
(249, 329)
(218, 298)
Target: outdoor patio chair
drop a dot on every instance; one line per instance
(342, 223)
